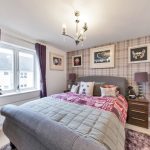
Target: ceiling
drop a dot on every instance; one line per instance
(108, 20)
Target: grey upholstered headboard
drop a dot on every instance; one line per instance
(121, 82)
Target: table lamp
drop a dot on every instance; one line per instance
(140, 78)
(72, 79)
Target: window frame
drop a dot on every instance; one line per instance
(16, 70)
(34, 71)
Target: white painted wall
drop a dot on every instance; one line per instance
(56, 80)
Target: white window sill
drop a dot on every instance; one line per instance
(18, 93)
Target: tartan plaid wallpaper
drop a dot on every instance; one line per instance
(122, 67)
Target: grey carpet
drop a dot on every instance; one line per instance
(134, 141)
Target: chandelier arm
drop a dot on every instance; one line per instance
(76, 28)
(81, 34)
(68, 36)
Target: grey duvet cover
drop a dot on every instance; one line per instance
(51, 124)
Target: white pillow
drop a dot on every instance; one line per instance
(74, 88)
(86, 88)
(108, 91)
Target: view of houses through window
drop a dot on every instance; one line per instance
(26, 70)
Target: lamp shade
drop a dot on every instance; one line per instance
(141, 77)
(72, 77)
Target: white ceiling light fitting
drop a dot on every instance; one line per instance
(80, 34)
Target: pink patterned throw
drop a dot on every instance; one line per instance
(118, 105)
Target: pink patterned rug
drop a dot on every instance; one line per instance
(134, 141)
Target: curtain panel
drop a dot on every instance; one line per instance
(41, 54)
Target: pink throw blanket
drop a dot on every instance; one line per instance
(118, 105)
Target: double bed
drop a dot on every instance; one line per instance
(69, 121)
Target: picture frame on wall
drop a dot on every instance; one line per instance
(102, 57)
(77, 61)
(56, 61)
(139, 54)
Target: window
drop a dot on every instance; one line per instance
(6, 69)
(26, 70)
(17, 69)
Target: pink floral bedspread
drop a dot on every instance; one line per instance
(118, 105)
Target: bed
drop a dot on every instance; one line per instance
(69, 121)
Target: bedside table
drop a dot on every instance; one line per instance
(138, 112)
(65, 91)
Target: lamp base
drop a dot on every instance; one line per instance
(140, 95)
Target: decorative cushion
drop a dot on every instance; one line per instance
(96, 90)
(86, 88)
(111, 86)
(108, 91)
(74, 88)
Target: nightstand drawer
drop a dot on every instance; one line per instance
(140, 111)
(138, 114)
(138, 106)
(138, 122)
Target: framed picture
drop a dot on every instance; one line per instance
(77, 61)
(102, 57)
(56, 61)
(139, 54)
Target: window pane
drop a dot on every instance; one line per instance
(6, 69)
(26, 70)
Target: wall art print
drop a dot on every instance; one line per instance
(139, 54)
(77, 61)
(56, 61)
(102, 57)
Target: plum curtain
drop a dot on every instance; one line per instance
(41, 54)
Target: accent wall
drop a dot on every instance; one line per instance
(122, 67)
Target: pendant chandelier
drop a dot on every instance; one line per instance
(80, 34)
